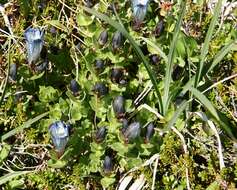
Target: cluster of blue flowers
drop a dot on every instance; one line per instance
(59, 131)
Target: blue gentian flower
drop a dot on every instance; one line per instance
(59, 132)
(139, 9)
(34, 43)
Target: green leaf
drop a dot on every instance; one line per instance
(171, 58)
(27, 124)
(4, 179)
(76, 111)
(120, 148)
(4, 152)
(48, 94)
(213, 186)
(205, 47)
(57, 24)
(57, 163)
(34, 77)
(107, 181)
(84, 20)
(136, 48)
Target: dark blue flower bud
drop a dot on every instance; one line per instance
(132, 131)
(100, 134)
(159, 28)
(139, 9)
(125, 125)
(34, 43)
(116, 75)
(103, 38)
(100, 89)
(118, 107)
(155, 59)
(99, 64)
(177, 73)
(108, 165)
(74, 86)
(149, 132)
(59, 132)
(89, 3)
(117, 40)
(13, 71)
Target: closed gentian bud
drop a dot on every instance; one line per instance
(125, 125)
(149, 132)
(159, 28)
(177, 73)
(155, 59)
(117, 40)
(118, 107)
(89, 3)
(100, 134)
(99, 64)
(132, 131)
(100, 89)
(59, 132)
(74, 86)
(13, 71)
(103, 38)
(139, 9)
(108, 166)
(116, 75)
(34, 43)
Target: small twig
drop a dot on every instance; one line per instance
(212, 126)
(185, 151)
(146, 90)
(219, 82)
(147, 107)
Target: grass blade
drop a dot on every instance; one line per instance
(7, 76)
(216, 114)
(171, 57)
(4, 179)
(27, 124)
(135, 46)
(221, 54)
(176, 115)
(205, 47)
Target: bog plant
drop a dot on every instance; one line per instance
(132, 96)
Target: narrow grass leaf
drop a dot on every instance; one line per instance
(4, 179)
(215, 113)
(205, 47)
(8, 72)
(137, 49)
(222, 53)
(176, 115)
(27, 124)
(171, 57)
